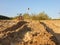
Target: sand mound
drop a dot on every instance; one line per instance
(25, 33)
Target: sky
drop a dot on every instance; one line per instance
(13, 7)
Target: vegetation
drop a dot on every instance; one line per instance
(40, 16)
(43, 16)
(26, 16)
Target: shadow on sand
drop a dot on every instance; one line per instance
(15, 37)
(14, 27)
(49, 30)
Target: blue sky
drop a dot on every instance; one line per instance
(12, 7)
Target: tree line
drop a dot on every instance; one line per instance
(40, 16)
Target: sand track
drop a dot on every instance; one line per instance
(28, 33)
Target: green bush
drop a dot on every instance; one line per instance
(26, 16)
(43, 16)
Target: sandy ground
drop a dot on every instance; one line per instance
(54, 26)
(30, 32)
